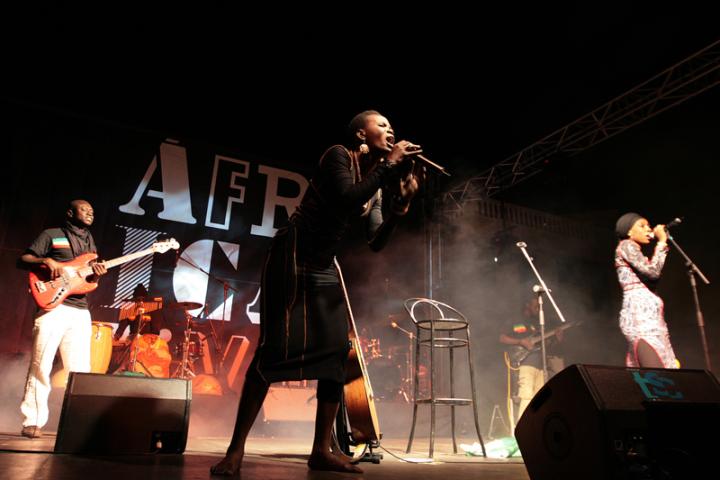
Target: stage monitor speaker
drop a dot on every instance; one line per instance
(117, 414)
(603, 422)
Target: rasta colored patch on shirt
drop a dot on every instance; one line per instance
(61, 242)
(519, 328)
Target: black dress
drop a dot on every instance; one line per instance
(303, 311)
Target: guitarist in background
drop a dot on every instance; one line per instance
(68, 326)
(303, 313)
(529, 370)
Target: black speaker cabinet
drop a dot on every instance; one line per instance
(603, 422)
(111, 414)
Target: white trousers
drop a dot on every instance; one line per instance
(531, 379)
(68, 329)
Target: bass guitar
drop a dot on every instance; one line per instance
(518, 353)
(51, 292)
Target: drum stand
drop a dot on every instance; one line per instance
(184, 371)
(134, 354)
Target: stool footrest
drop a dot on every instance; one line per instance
(442, 324)
(445, 401)
(445, 342)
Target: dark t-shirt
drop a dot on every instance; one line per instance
(525, 328)
(54, 243)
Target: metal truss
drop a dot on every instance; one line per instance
(671, 87)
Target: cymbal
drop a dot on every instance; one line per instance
(183, 306)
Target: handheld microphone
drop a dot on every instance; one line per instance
(540, 289)
(674, 222)
(426, 161)
(429, 163)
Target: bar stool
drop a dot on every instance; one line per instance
(437, 324)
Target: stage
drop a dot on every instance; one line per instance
(266, 458)
(278, 446)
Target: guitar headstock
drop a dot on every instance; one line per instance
(165, 245)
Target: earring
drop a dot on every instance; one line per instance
(364, 149)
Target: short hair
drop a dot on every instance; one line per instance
(359, 121)
(74, 203)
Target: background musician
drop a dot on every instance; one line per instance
(526, 355)
(66, 327)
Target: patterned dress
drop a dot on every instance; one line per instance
(642, 313)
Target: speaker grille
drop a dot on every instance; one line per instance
(106, 414)
(603, 422)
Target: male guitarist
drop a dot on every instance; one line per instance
(66, 327)
(520, 336)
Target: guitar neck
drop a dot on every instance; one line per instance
(119, 260)
(551, 333)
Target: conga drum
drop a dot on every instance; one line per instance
(100, 347)
(150, 355)
(100, 353)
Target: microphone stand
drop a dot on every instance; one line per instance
(692, 271)
(408, 362)
(541, 320)
(523, 246)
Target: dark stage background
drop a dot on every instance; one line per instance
(217, 108)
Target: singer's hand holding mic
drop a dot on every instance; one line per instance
(406, 183)
(401, 152)
(412, 152)
(660, 233)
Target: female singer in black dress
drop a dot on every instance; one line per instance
(304, 322)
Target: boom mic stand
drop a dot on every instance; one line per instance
(541, 321)
(407, 382)
(217, 363)
(543, 289)
(693, 270)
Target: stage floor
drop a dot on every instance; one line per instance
(266, 458)
(276, 449)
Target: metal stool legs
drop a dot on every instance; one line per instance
(416, 390)
(474, 397)
(451, 343)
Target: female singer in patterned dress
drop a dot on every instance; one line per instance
(642, 314)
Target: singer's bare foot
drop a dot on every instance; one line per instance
(345, 458)
(335, 450)
(328, 461)
(228, 466)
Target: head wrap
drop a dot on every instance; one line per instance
(625, 223)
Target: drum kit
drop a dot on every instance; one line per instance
(389, 369)
(151, 355)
